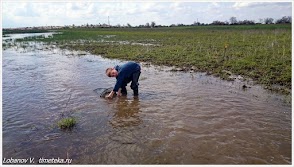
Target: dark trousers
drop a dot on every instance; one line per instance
(134, 85)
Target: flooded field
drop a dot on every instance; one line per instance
(178, 118)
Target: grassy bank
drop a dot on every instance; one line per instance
(4, 32)
(261, 52)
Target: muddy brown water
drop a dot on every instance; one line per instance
(178, 118)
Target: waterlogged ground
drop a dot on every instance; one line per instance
(179, 118)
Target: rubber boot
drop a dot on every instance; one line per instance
(124, 91)
(136, 92)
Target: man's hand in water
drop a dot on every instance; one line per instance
(119, 92)
(110, 95)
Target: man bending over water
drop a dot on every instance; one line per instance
(124, 74)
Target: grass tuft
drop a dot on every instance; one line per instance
(67, 123)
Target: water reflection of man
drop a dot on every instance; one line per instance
(127, 113)
(124, 74)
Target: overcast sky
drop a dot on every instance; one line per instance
(41, 13)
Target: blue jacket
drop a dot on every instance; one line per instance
(125, 72)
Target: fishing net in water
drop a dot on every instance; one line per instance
(103, 92)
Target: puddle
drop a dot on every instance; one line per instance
(178, 118)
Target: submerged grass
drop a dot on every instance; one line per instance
(66, 123)
(260, 52)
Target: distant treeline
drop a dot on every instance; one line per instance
(232, 21)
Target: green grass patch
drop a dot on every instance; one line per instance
(4, 32)
(261, 52)
(67, 123)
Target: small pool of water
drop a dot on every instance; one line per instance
(178, 118)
